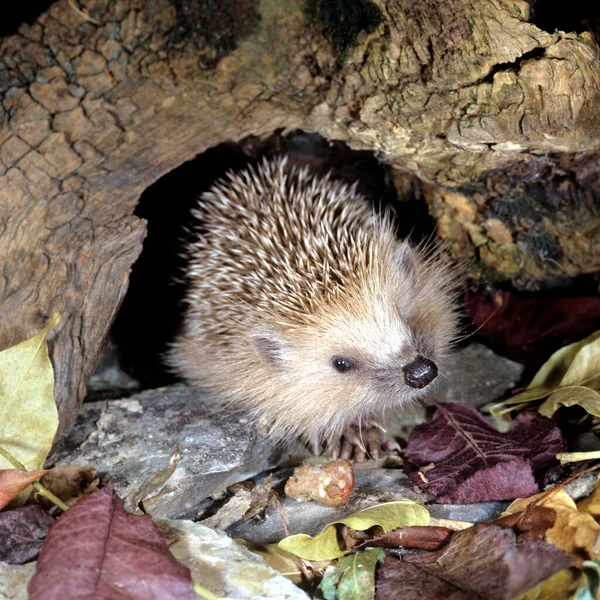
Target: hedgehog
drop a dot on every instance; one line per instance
(306, 311)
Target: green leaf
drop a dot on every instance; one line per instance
(574, 366)
(329, 583)
(28, 415)
(325, 545)
(573, 395)
(591, 568)
(358, 575)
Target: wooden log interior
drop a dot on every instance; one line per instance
(101, 98)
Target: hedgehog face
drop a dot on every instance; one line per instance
(385, 356)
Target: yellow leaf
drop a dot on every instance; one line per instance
(325, 545)
(585, 397)
(280, 560)
(573, 531)
(561, 586)
(570, 365)
(575, 365)
(28, 415)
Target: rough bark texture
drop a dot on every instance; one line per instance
(100, 98)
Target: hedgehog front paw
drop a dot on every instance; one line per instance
(359, 443)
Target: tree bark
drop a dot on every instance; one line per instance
(102, 97)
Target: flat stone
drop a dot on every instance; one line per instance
(372, 486)
(14, 580)
(223, 566)
(475, 375)
(134, 444)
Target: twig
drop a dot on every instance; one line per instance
(302, 564)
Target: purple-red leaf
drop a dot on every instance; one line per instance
(489, 561)
(22, 533)
(460, 458)
(398, 579)
(98, 550)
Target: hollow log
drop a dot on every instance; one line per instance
(100, 98)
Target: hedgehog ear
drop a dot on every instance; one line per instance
(269, 346)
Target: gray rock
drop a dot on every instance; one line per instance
(14, 580)
(224, 567)
(133, 442)
(372, 486)
(477, 376)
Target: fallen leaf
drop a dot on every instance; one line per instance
(326, 546)
(531, 523)
(572, 395)
(561, 586)
(589, 590)
(416, 584)
(460, 458)
(419, 538)
(489, 561)
(276, 558)
(453, 524)
(70, 483)
(573, 531)
(96, 548)
(14, 481)
(569, 377)
(28, 415)
(357, 575)
(591, 504)
(22, 533)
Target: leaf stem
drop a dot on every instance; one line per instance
(568, 457)
(37, 485)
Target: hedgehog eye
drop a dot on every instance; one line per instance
(341, 364)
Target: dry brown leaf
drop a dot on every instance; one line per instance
(70, 483)
(574, 531)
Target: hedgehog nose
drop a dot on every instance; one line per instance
(420, 372)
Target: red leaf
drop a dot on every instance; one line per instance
(394, 575)
(22, 533)
(98, 550)
(489, 561)
(460, 458)
(14, 481)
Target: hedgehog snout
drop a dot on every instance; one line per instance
(420, 372)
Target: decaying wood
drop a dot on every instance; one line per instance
(102, 97)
